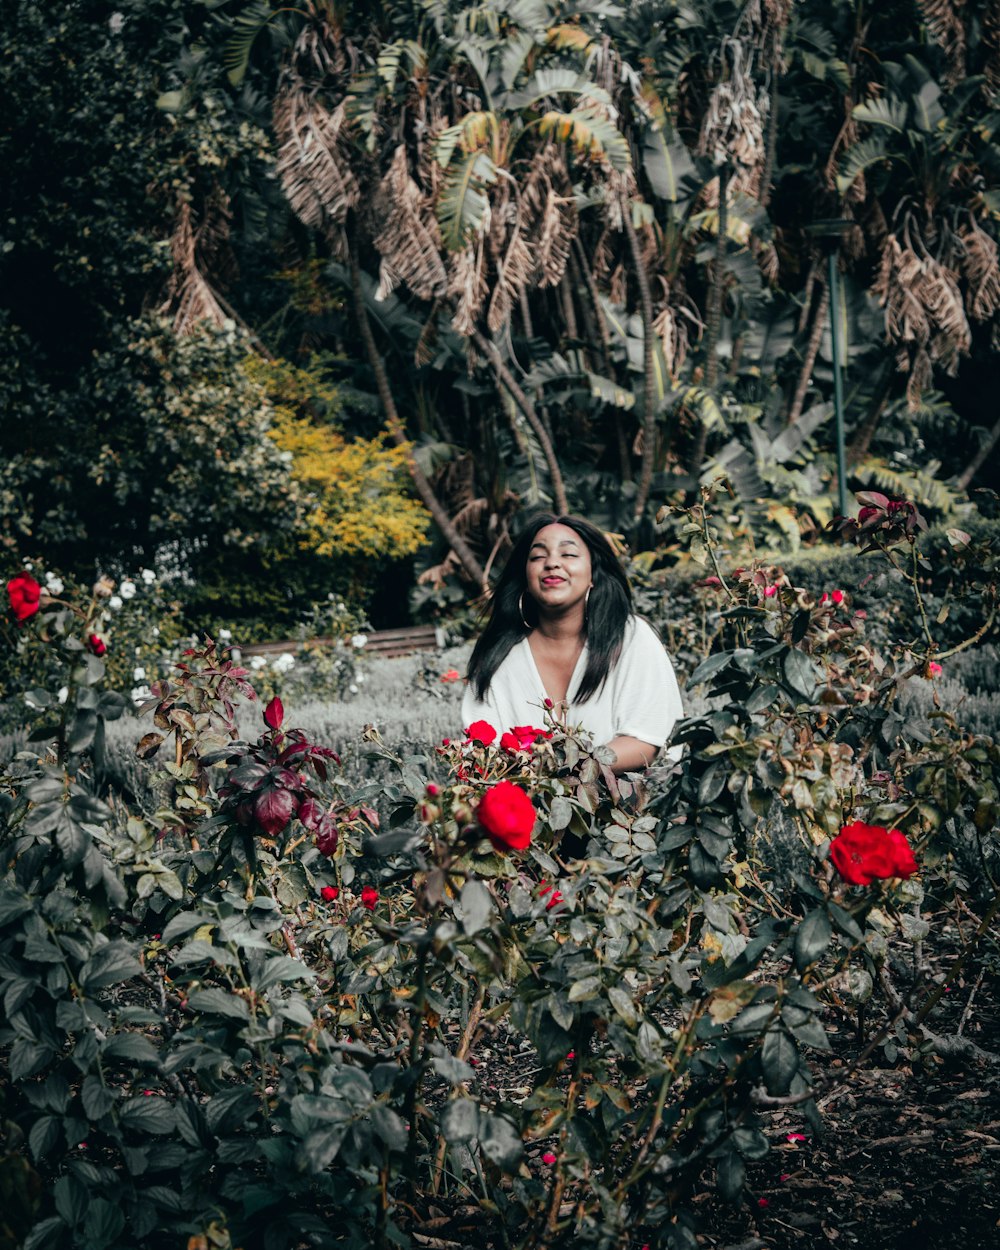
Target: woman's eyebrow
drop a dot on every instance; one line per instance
(563, 542)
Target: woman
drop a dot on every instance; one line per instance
(562, 628)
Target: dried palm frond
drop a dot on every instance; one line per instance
(550, 217)
(467, 285)
(665, 327)
(190, 297)
(423, 353)
(733, 130)
(409, 240)
(513, 272)
(924, 313)
(945, 25)
(979, 261)
(313, 163)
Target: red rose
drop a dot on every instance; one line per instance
(837, 596)
(522, 738)
(507, 815)
(96, 644)
(481, 731)
(24, 595)
(432, 789)
(329, 893)
(369, 897)
(865, 853)
(555, 897)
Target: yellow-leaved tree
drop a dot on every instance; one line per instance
(355, 491)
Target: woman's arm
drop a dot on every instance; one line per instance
(632, 754)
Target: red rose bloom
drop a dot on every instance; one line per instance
(866, 853)
(96, 644)
(329, 893)
(481, 731)
(369, 897)
(24, 595)
(507, 815)
(522, 738)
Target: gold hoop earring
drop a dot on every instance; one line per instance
(520, 608)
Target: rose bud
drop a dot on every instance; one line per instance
(96, 644)
(428, 812)
(329, 893)
(433, 790)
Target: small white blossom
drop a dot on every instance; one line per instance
(28, 565)
(127, 590)
(148, 576)
(359, 640)
(282, 663)
(360, 679)
(63, 694)
(257, 662)
(156, 631)
(225, 635)
(353, 689)
(140, 694)
(54, 585)
(115, 23)
(116, 602)
(138, 673)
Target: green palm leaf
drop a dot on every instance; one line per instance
(463, 203)
(246, 27)
(857, 158)
(590, 133)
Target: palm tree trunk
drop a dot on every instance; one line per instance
(865, 432)
(812, 351)
(596, 312)
(648, 401)
(397, 432)
(509, 383)
(980, 458)
(717, 291)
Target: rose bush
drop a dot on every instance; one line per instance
(258, 1051)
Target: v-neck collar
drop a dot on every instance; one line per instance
(574, 681)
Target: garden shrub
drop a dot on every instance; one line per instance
(257, 1016)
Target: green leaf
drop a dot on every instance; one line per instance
(389, 1126)
(103, 1224)
(130, 1048)
(246, 27)
(501, 1142)
(667, 163)
(800, 673)
(220, 1003)
(591, 133)
(148, 1115)
(463, 203)
(109, 965)
(460, 1120)
(81, 732)
(780, 1060)
(560, 813)
(812, 937)
(71, 1199)
(751, 1143)
(477, 907)
(96, 1098)
(43, 1135)
(882, 111)
(731, 1176)
(622, 1002)
(857, 159)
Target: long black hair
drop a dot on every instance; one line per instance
(608, 608)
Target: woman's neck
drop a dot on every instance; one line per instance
(558, 628)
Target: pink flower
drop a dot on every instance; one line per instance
(823, 598)
(934, 669)
(433, 790)
(793, 1137)
(770, 591)
(548, 1158)
(571, 1055)
(763, 1202)
(837, 596)
(784, 1176)
(452, 675)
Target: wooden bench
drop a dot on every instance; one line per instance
(383, 642)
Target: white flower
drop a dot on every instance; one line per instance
(63, 694)
(353, 689)
(359, 640)
(116, 602)
(148, 576)
(138, 673)
(360, 679)
(28, 565)
(286, 457)
(156, 631)
(282, 663)
(257, 662)
(54, 585)
(115, 23)
(140, 694)
(127, 590)
(225, 635)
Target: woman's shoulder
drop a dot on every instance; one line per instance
(639, 632)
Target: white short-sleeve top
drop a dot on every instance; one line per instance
(640, 698)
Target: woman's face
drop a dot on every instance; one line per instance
(558, 572)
